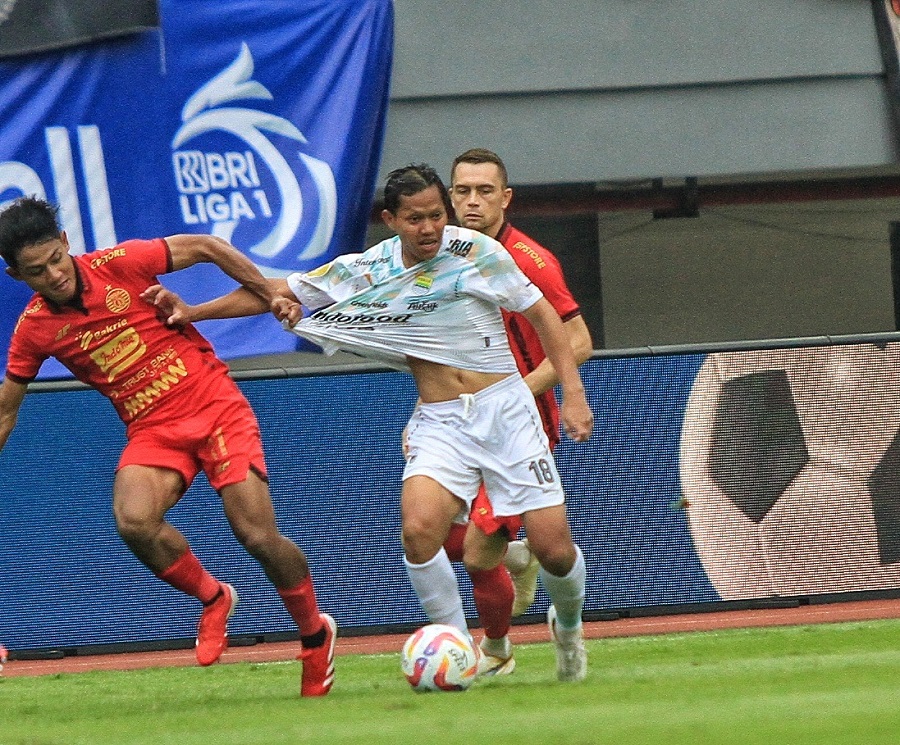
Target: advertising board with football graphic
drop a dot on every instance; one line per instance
(790, 468)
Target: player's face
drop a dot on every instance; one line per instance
(479, 197)
(48, 269)
(419, 222)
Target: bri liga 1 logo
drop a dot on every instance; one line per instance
(241, 175)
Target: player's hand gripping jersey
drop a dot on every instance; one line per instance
(444, 310)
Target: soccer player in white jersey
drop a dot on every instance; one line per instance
(438, 291)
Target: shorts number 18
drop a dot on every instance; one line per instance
(542, 471)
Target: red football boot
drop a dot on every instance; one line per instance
(212, 629)
(318, 662)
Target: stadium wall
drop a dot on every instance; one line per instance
(592, 91)
(757, 475)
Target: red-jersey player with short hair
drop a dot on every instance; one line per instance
(182, 411)
(480, 193)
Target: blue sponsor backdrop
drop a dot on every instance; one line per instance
(332, 444)
(258, 122)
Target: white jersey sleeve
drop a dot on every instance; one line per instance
(337, 280)
(499, 279)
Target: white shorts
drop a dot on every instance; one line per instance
(495, 436)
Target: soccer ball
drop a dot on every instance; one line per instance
(439, 657)
(790, 470)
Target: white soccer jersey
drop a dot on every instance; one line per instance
(444, 310)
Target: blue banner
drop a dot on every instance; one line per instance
(260, 123)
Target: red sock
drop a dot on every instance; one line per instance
(493, 591)
(187, 574)
(300, 602)
(454, 543)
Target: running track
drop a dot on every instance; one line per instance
(670, 624)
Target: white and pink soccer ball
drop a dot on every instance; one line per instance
(438, 657)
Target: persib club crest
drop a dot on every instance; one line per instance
(240, 171)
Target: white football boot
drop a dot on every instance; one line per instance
(496, 657)
(571, 656)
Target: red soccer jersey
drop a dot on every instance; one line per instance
(544, 270)
(114, 342)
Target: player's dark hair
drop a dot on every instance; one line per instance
(478, 155)
(409, 181)
(28, 221)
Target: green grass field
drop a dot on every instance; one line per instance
(830, 683)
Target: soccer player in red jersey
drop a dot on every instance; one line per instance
(182, 411)
(480, 193)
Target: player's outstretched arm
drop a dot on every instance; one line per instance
(188, 249)
(11, 396)
(173, 311)
(577, 418)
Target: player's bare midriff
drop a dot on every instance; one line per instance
(436, 382)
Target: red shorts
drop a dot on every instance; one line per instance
(482, 514)
(218, 435)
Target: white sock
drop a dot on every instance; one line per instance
(567, 593)
(517, 556)
(437, 589)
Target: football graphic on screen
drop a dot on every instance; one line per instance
(790, 470)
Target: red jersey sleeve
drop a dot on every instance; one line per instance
(139, 260)
(24, 358)
(542, 268)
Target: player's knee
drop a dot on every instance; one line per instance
(258, 541)
(420, 540)
(482, 560)
(478, 564)
(484, 551)
(555, 559)
(415, 529)
(136, 526)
